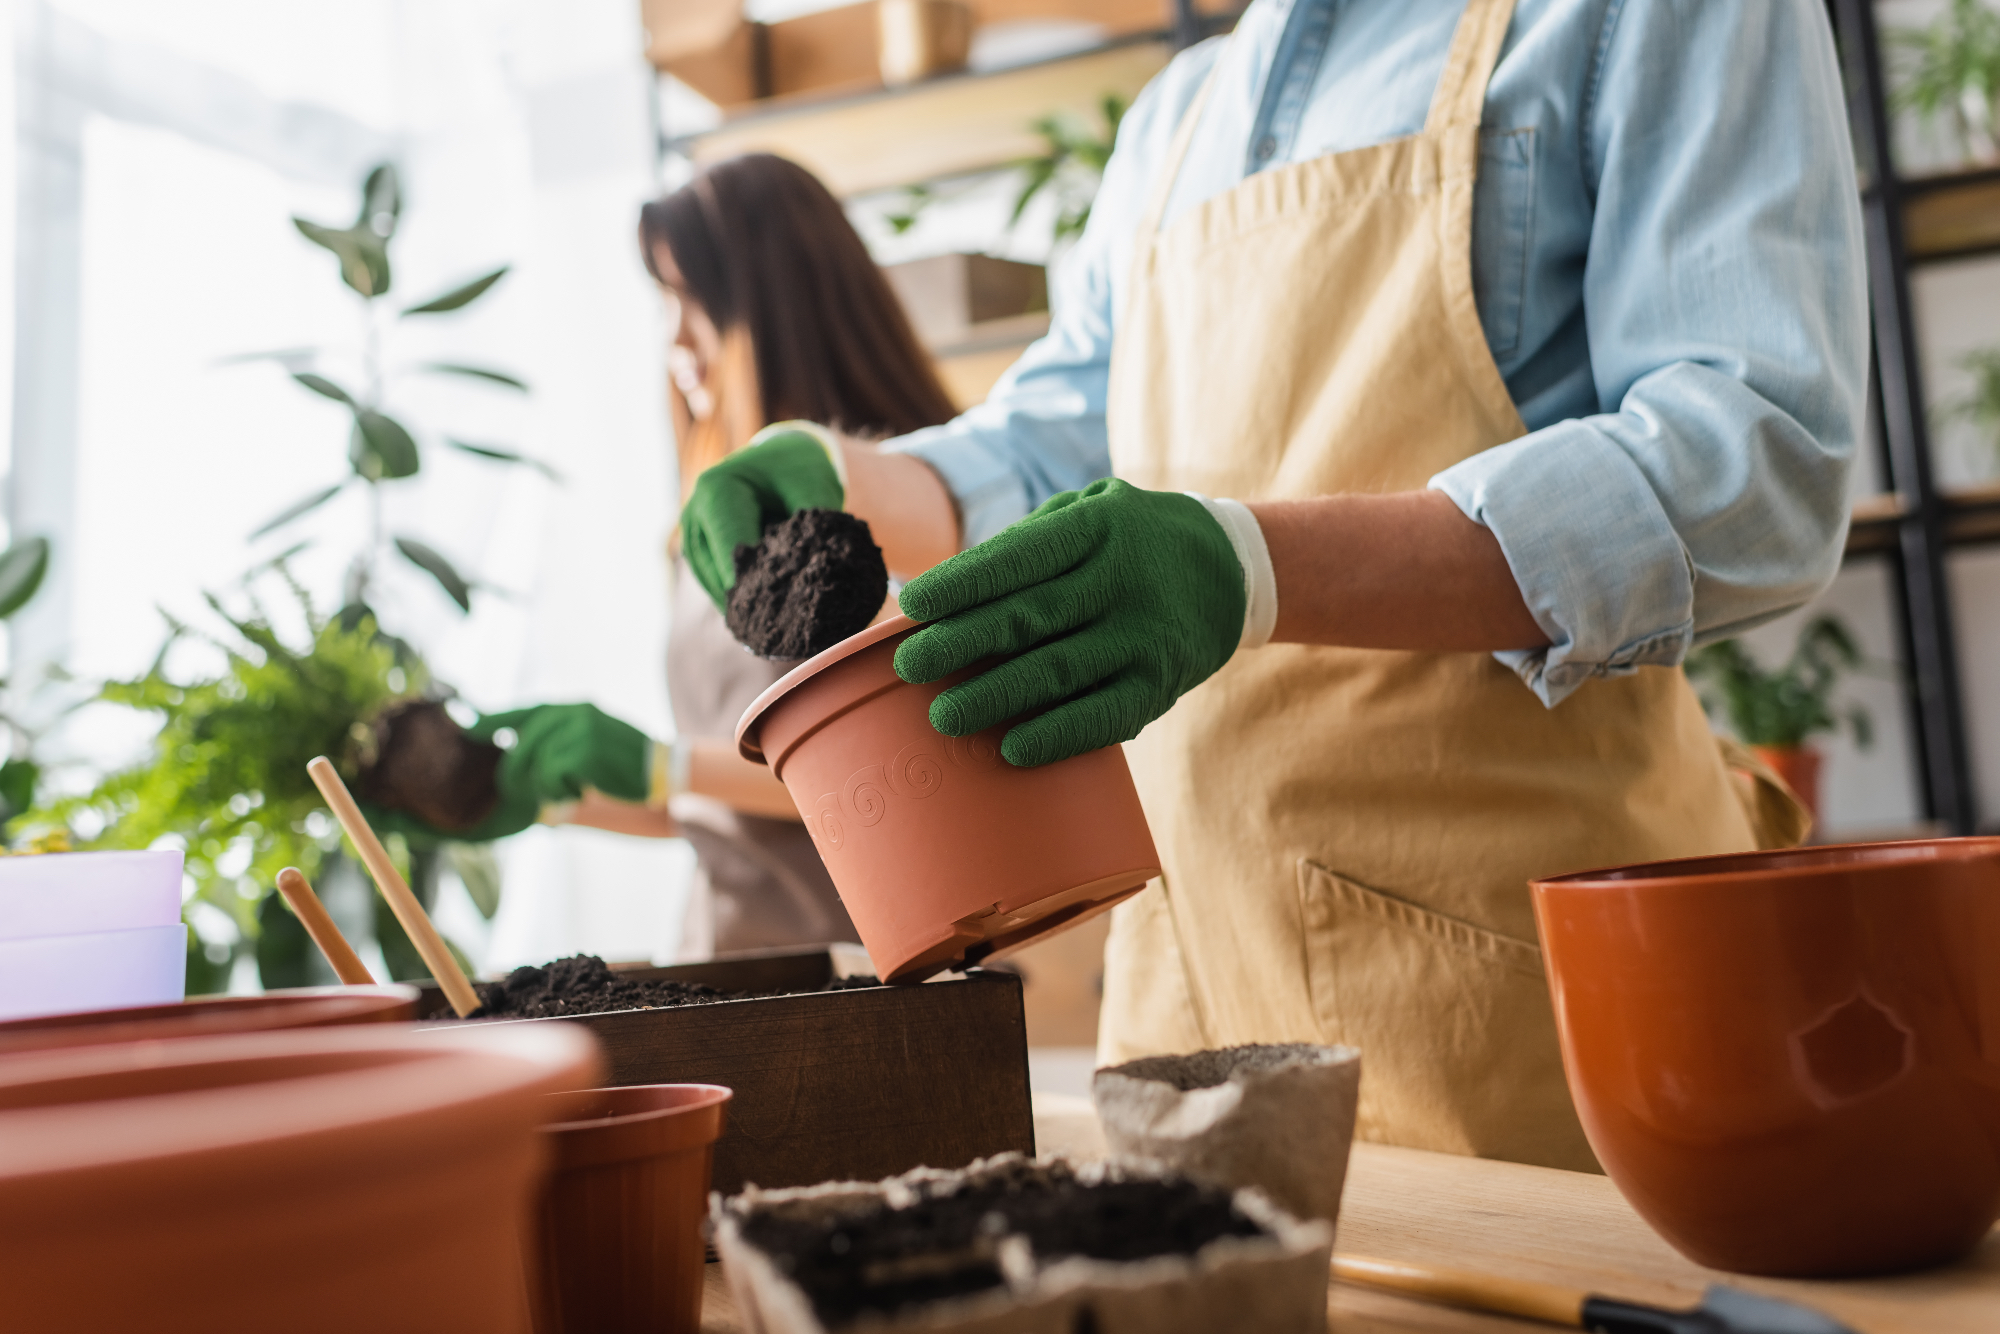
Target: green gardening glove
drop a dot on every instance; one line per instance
(1109, 603)
(784, 469)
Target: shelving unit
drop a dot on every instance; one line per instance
(1911, 222)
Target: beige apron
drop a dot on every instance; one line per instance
(1347, 835)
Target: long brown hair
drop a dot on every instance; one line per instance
(810, 328)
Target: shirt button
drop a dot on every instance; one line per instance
(1265, 147)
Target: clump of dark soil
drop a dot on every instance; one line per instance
(947, 1243)
(581, 984)
(415, 759)
(815, 579)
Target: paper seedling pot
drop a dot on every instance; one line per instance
(943, 852)
(1789, 1061)
(620, 1236)
(212, 1016)
(345, 1178)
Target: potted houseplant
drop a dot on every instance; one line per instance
(1951, 69)
(1776, 712)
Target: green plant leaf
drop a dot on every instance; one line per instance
(459, 296)
(479, 870)
(324, 387)
(364, 258)
(428, 560)
(381, 450)
(477, 373)
(381, 201)
(499, 455)
(17, 788)
(284, 947)
(297, 510)
(22, 568)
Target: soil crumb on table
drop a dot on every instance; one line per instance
(885, 1260)
(581, 984)
(815, 579)
(415, 759)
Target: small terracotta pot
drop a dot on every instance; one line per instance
(1790, 1061)
(210, 1016)
(1799, 766)
(320, 1182)
(620, 1239)
(943, 852)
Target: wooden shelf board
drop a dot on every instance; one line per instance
(943, 127)
(1972, 518)
(1952, 216)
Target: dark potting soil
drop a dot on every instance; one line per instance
(815, 579)
(585, 984)
(886, 1260)
(424, 764)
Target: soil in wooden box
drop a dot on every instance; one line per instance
(884, 1260)
(415, 759)
(585, 984)
(815, 579)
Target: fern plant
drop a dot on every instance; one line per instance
(1952, 68)
(1782, 708)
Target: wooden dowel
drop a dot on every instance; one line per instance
(347, 965)
(1460, 1287)
(402, 902)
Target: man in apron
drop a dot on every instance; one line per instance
(1459, 365)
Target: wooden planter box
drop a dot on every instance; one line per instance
(832, 1085)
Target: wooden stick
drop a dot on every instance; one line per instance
(1461, 1287)
(402, 902)
(346, 963)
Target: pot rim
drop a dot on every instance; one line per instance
(1782, 865)
(750, 726)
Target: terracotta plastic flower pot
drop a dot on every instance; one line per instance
(325, 1180)
(620, 1239)
(1790, 1061)
(942, 851)
(1799, 766)
(210, 1016)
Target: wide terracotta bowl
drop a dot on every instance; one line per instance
(1789, 1061)
(942, 851)
(210, 1016)
(319, 1181)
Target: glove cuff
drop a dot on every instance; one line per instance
(1260, 583)
(817, 432)
(672, 761)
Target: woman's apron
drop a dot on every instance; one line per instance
(1347, 834)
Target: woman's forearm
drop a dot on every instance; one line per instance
(1400, 571)
(906, 505)
(717, 769)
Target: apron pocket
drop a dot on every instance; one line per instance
(1456, 1031)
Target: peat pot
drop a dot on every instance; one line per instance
(210, 1016)
(943, 852)
(90, 930)
(620, 1236)
(317, 1181)
(1789, 1061)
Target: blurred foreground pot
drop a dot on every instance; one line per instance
(943, 852)
(620, 1237)
(1790, 1061)
(212, 1016)
(328, 1180)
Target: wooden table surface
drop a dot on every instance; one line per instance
(1561, 1227)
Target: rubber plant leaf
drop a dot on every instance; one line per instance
(478, 869)
(459, 296)
(477, 373)
(294, 511)
(364, 259)
(381, 449)
(22, 567)
(324, 387)
(17, 789)
(440, 569)
(381, 201)
(499, 455)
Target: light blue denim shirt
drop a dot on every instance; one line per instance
(1667, 256)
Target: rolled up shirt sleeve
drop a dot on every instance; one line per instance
(1726, 307)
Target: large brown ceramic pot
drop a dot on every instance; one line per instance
(211, 1016)
(942, 851)
(318, 1182)
(1790, 1061)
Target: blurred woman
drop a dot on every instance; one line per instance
(778, 313)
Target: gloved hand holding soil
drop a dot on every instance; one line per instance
(816, 578)
(415, 760)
